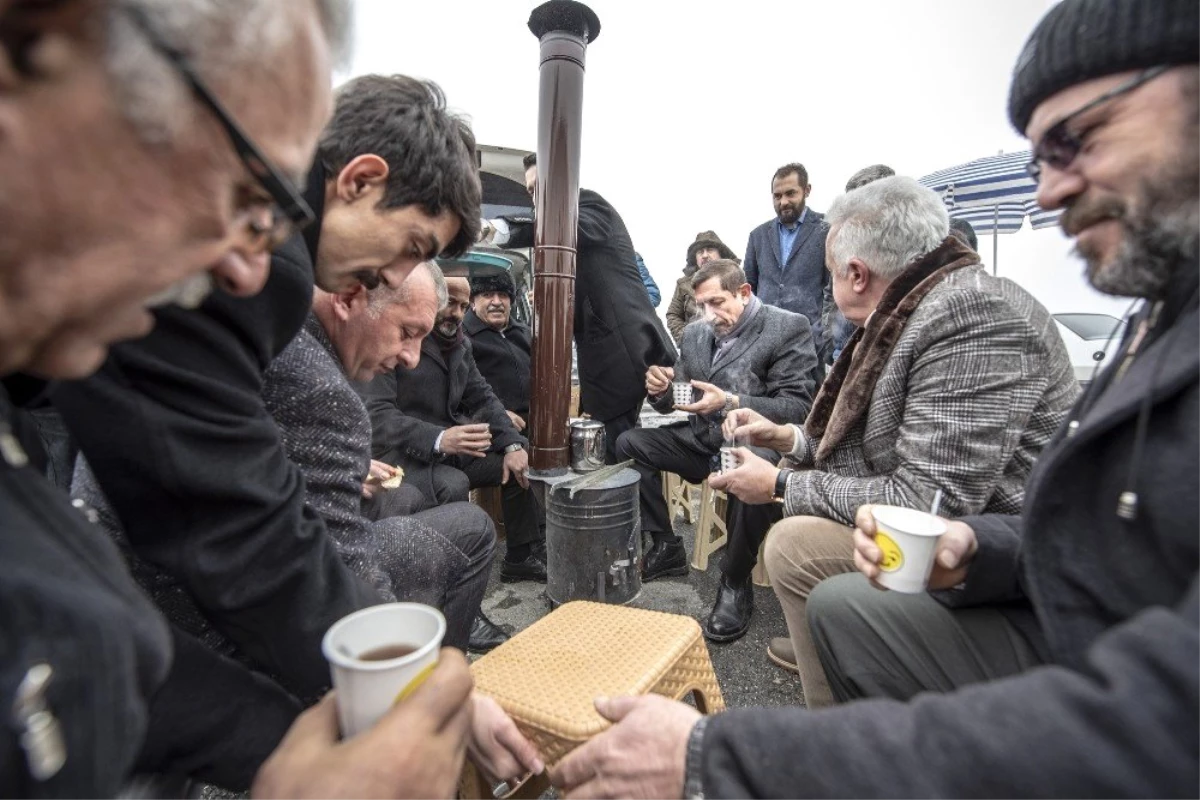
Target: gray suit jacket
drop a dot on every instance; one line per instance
(771, 368)
(973, 390)
(802, 284)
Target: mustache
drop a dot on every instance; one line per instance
(496, 308)
(1085, 213)
(187, 293)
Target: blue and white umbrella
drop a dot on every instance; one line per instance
(995, 194)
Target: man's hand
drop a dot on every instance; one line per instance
(712, 401)
(955, 549)
(744, 425)
(377, 474)
(643, 755)
(497, 747)
(467, 440)
(752, 482)
(517, 422)
(658, 380)
(516, 463)
(415, 750)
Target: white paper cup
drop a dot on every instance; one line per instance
(908, 540)
(366, 689)
(682, 393)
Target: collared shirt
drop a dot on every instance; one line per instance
(787, 237)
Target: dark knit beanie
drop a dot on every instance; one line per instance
(1079, 40)
(498, 282)
(707, 239)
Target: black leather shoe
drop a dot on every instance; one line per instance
(485, 635)
(730, 617)
(665, 558)
(531, 569)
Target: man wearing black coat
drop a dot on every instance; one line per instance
(444, 426)
(1105, 548)
(501, 345)
(618, 335)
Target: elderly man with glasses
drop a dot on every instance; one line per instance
(119, 190)
(1105, 549)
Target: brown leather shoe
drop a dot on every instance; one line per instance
(780, 651)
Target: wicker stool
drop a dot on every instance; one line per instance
(547, 676)
(712, 520)
(679, 494)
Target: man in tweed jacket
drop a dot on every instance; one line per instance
(956, 380)
(742, 354)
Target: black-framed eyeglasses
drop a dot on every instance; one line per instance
(290, 212)
(1059, 145)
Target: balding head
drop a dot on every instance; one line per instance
(379, 330)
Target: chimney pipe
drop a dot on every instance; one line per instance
(564, 28)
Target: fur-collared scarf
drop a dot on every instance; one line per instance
(846, 393)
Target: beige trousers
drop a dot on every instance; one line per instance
(800, 553)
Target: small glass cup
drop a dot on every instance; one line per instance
(681, 392)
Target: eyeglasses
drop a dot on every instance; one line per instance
(289, 212)
(1059, 146)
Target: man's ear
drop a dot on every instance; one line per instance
(360, 177)
(859, 274)
(347, 304)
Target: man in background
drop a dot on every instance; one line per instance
(785, 257)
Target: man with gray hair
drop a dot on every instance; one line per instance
(926, 397)
(869, 175)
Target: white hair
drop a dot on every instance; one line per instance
(887, 224)
(383, 295)
(222, 39)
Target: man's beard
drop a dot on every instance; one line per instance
(447, 328)
(1161, 236)
(789, 215)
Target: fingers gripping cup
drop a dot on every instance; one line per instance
(729, 459)
(908, 541)
(378, 656)
(681, 392)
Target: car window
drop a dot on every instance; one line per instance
(1092, 327)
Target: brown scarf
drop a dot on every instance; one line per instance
(846, 393)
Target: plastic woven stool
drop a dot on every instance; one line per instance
(547, 676)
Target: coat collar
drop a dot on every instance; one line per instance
(846, 393)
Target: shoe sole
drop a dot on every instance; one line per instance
(674, 572)
(518, 578)
(728, 637)
(782, 662)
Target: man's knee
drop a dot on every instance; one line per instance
(452, 486)
(842, 615)
(802, 551)
(627, 445)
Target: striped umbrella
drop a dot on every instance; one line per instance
(995, 194)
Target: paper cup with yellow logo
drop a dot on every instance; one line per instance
(367, 687)
(908, 540)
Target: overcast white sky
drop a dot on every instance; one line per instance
(689, 107)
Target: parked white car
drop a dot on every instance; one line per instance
(1091, 340)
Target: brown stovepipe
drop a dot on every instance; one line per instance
(564, 28)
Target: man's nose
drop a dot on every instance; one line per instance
(397, 273)
(242, 273)
(1056, 187)
(410, 353)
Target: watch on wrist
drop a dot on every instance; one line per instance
(781, 481)
(514, 447)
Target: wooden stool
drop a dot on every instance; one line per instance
(547, 676)
(679, 494)
(488, 498)
(712, 520)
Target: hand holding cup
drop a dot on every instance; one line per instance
(879, 558)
